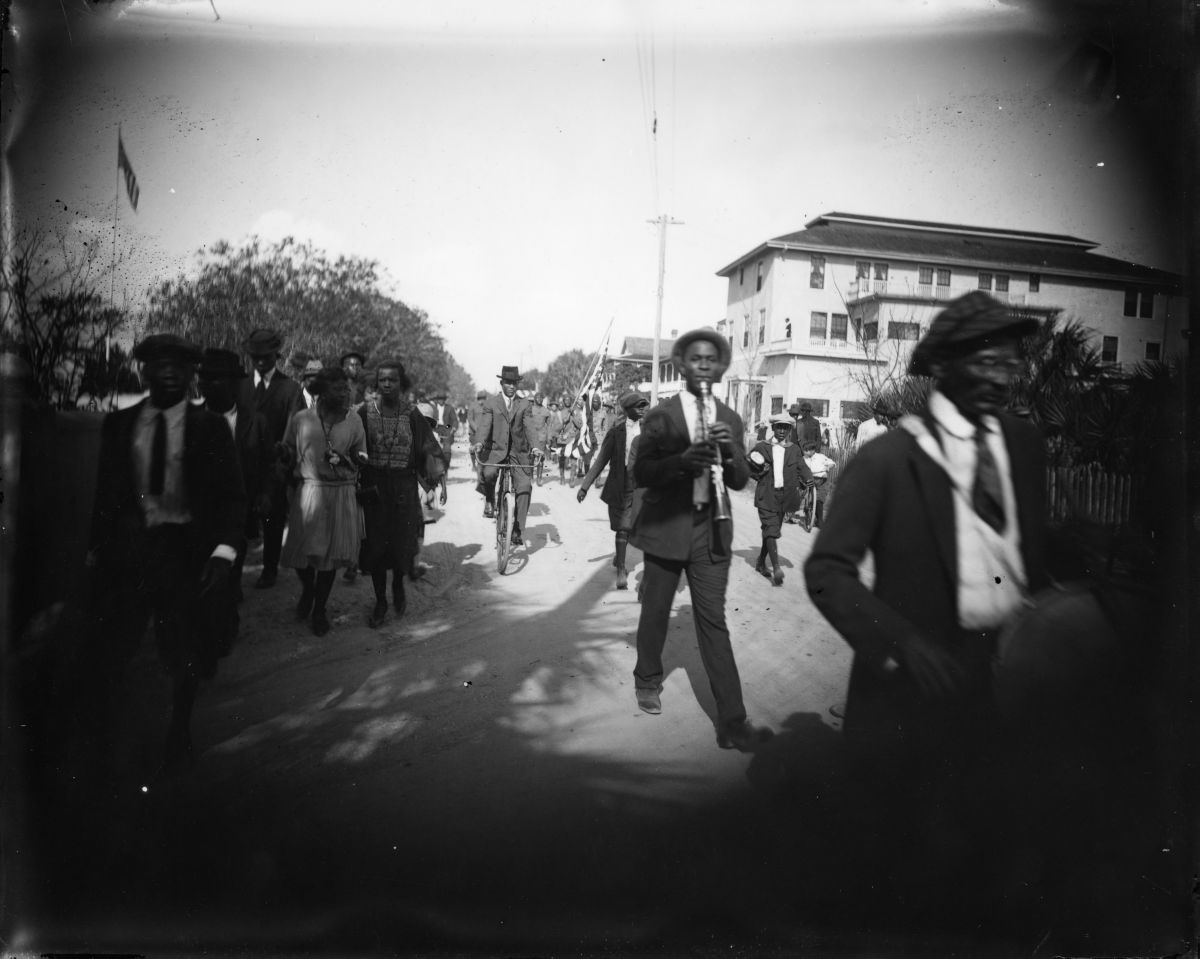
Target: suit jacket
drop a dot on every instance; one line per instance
(448, 423)
(212, 479)
(795, 474)
(898, 503)
(664, 525)
(281, 400)
(612, 454)
(255, 452)
(504, 432)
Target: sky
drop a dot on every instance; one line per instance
(504, 162)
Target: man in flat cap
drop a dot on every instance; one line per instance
(270, 392)
(619, 487)
(503, 436)
(308, 375)
(689, 450)
(950, 505)
(167, 526)
(446, 425)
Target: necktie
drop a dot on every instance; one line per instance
(158, 455)
(986, 495)
(700, 483)
(260, 391)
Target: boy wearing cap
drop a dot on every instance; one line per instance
(619, 491)
(818, 466)
(270, 392)
(682, 527)
(780, 471)
(167, 526)
(951, 506)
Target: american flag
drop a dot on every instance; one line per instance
(126, 168)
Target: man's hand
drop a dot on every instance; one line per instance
(699, 456)
(476, 448)
(581, 495)
(721, 433)
(933, 669)
(215, 575)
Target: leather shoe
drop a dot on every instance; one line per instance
(622, 578)
(743, 736)
(516, 537)
(378, 615)
(777, 576)
(489, 511)
(761, 569)
(648, 701)
(320, 623)
(266, 580)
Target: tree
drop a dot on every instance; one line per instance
(53, 314)
(565, 374)
(322, 306)
(460, 388)
(624, 376)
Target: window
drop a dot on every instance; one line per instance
(816, 278)
(746, 332)
(856, 410)
(1131, 301)
(881, 270)
(903, 331)
(762, 326)
(1035, 283)
(820, 407)
(985, 281)
(943, 276)
(925, 275)
(1108, 350)
(837, 329)
(1154, 351)
(870, 331)
(1001, 282)
(758, 281)
(862, 270)
(776, 405)
(1147, 310)
(816, 329)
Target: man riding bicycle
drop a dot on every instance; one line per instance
(504, 435)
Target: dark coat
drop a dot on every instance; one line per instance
(664, 525)
(806, 430)
(282, 399)
(795, 474)
(898, 503)
(612, 453)
(255, 452)
(503, 432)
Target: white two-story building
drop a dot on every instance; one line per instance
(829, 312)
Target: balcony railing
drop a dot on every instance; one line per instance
(864, 286)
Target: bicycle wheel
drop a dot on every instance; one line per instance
(810, 496)
(504, 521)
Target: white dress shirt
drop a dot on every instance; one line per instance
(691, 414)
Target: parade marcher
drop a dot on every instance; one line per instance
(307, 375)
(689, 451)
(574, 442)
(277, 397)
(504, 437)
(167, 525)
(325, 446)
(402, 454)
(951, 507)
(819, 466)
(447, 426)
(428, 412)
(352, 362)
(619, 491)
(540, 420)
(219, 374)
(808, 427)
(877, 425)
(780, 471)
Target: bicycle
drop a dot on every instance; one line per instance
(506, 513)
(808, 507)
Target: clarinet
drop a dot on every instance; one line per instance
(721, 505)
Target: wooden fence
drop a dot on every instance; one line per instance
(1087, 494)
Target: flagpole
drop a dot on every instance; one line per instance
(593, 364)
(112, 276)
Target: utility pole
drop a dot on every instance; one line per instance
(663, 222)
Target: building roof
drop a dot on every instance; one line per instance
(642, 348)
(956, 244)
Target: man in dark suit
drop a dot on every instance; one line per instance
(950, 505)
(446, 426)
(689, 450)
(167, 526)
(219, 373)
(503, 435)
(619, 486)
(270, 392)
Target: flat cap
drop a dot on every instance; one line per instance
(724, 352)
(312, 367)
(159, 345)
(633, 399)
(965, 325)
(781, 419)
(260, 342)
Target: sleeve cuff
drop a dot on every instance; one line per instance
(225, 552)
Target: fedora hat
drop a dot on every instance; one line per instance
(509, 374)
(351, 354)
(261, 342)
(966, 324)
(724, 351)
(311, 368)
(160, 345)
(216, 364)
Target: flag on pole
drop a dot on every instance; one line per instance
(123, 164)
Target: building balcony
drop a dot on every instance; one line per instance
(932, 293)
